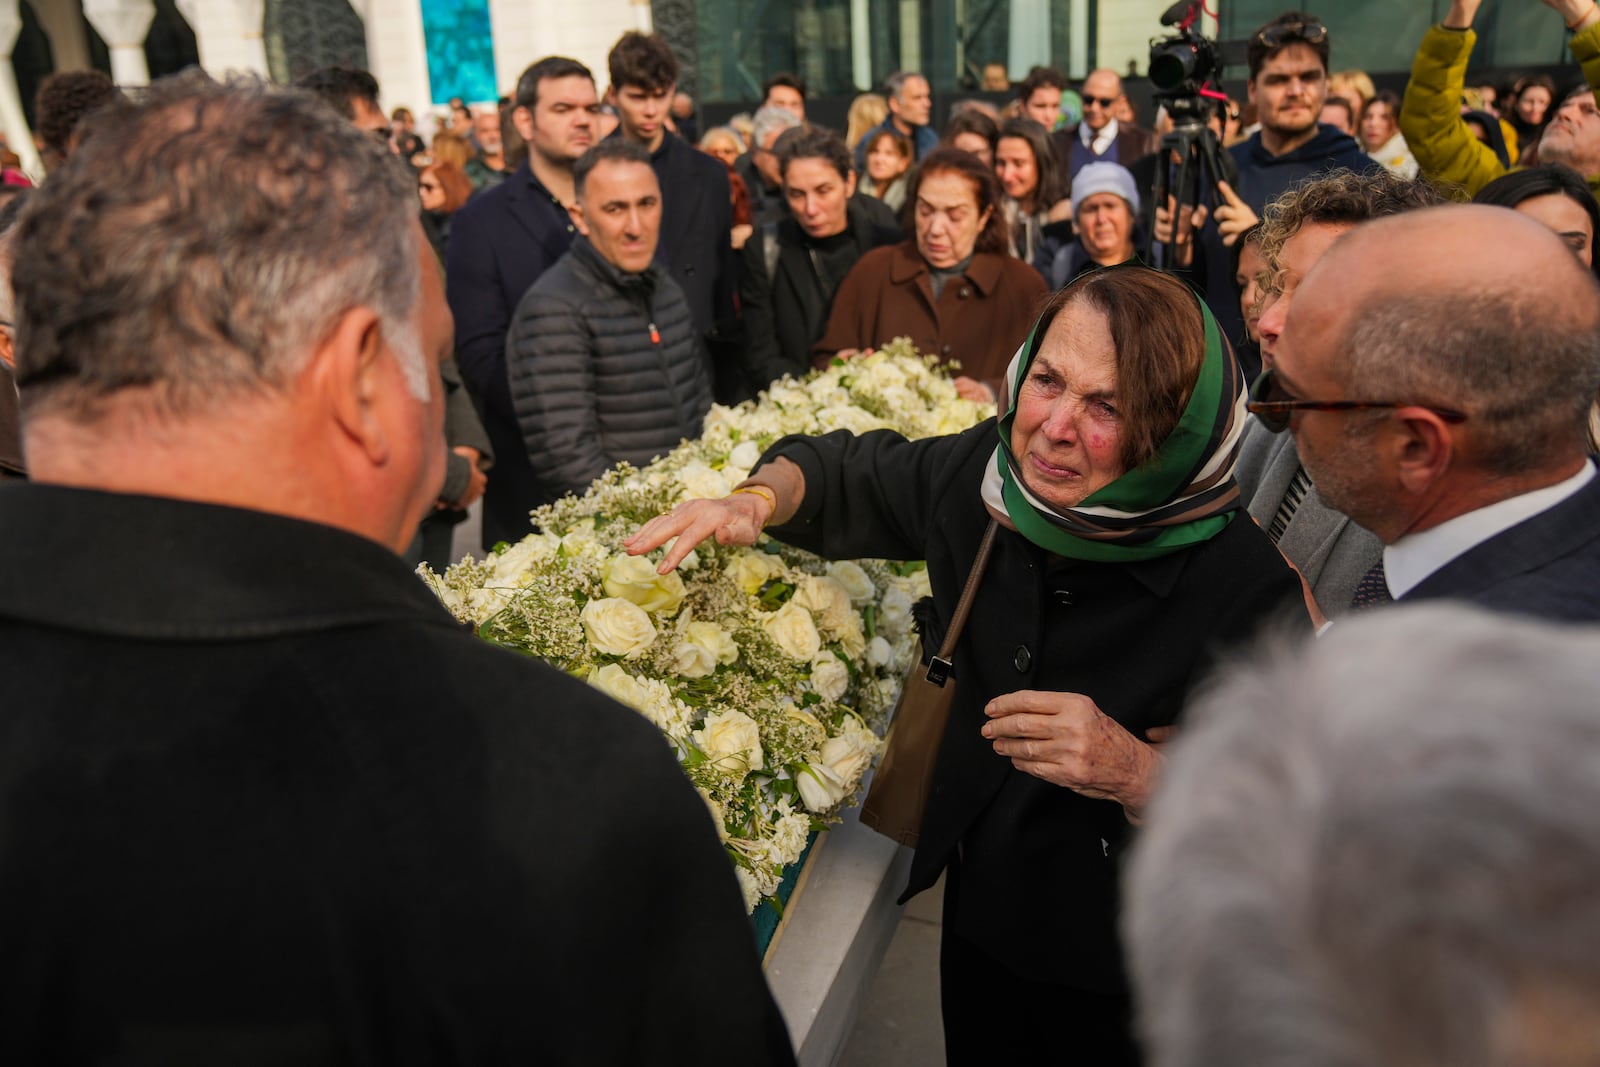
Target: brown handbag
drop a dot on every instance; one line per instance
(899, 793)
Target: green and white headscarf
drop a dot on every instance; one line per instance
(1182, 495)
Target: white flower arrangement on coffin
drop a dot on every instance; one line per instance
(771, 672)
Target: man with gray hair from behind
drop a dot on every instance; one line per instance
(263, 800)
(1380, 850)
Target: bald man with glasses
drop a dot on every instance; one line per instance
(1394, 374)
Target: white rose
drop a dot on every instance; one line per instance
(752, 569)
(849, 754)
(732, 741)
(793, 631)
(620, 686)
(894, 617)
(701, 647)
(855, 581)
(617, 627)
(829, 602)
(829, 676)
(523, 555)
(745, 455)
(634, 578)
(849, 417)
(879, 653)
(820, 789)
(748, 887)
(699, 481)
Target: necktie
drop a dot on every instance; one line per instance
(1299, 486)
(1372, 590)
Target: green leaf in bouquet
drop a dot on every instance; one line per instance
(774, 594)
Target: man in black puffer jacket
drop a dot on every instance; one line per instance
(604, 360)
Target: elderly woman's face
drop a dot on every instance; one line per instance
(1067, 434)
(948, 220)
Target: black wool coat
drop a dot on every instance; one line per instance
(786, 309)
(1039, 864)
(266, 802)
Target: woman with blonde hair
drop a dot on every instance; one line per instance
(450, 147)
(866, 111)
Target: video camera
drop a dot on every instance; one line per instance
(1182, 64)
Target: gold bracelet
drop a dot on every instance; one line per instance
(764, 493)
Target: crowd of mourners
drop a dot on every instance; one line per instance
(262, 348)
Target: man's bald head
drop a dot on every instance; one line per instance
(1413, 309)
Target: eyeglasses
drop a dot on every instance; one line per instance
(1310, 31)
(1102, 101)
(1273, 404)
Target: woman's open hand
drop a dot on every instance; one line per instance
(732, 520)
(1065, 739)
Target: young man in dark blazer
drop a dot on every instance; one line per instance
(500, 243)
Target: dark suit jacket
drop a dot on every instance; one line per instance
(1039, 863)
(265, 802)
(1547, 566)
(1133, 144)
(1332, 551)
(500, 243)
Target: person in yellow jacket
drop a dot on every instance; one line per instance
(1430, 116)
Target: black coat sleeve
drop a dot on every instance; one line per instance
(876, 495)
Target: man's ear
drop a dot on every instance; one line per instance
(1424, 447)
(522, 119)
(850, 185)
(348, 370)
(576, 211)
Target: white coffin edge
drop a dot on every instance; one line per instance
(834, 936)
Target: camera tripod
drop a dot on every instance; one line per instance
(1201, 164)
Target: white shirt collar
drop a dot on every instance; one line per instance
(1415, 556)
(1098, 143)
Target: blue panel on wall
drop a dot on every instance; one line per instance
(460, 50)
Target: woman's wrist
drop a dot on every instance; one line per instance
(1580, 17)
(762, 492)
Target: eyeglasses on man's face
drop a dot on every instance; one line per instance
(1273, 404)
(1099, 101)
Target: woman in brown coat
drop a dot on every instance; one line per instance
(953, 290)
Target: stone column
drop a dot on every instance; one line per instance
(397, 52)
(228, 33)
(11, 117)
(63, 24)
(123, 24)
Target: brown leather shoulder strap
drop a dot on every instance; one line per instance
(939, 668)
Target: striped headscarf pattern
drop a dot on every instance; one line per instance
(1182, 495)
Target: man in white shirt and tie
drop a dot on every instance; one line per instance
(1100, 138)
